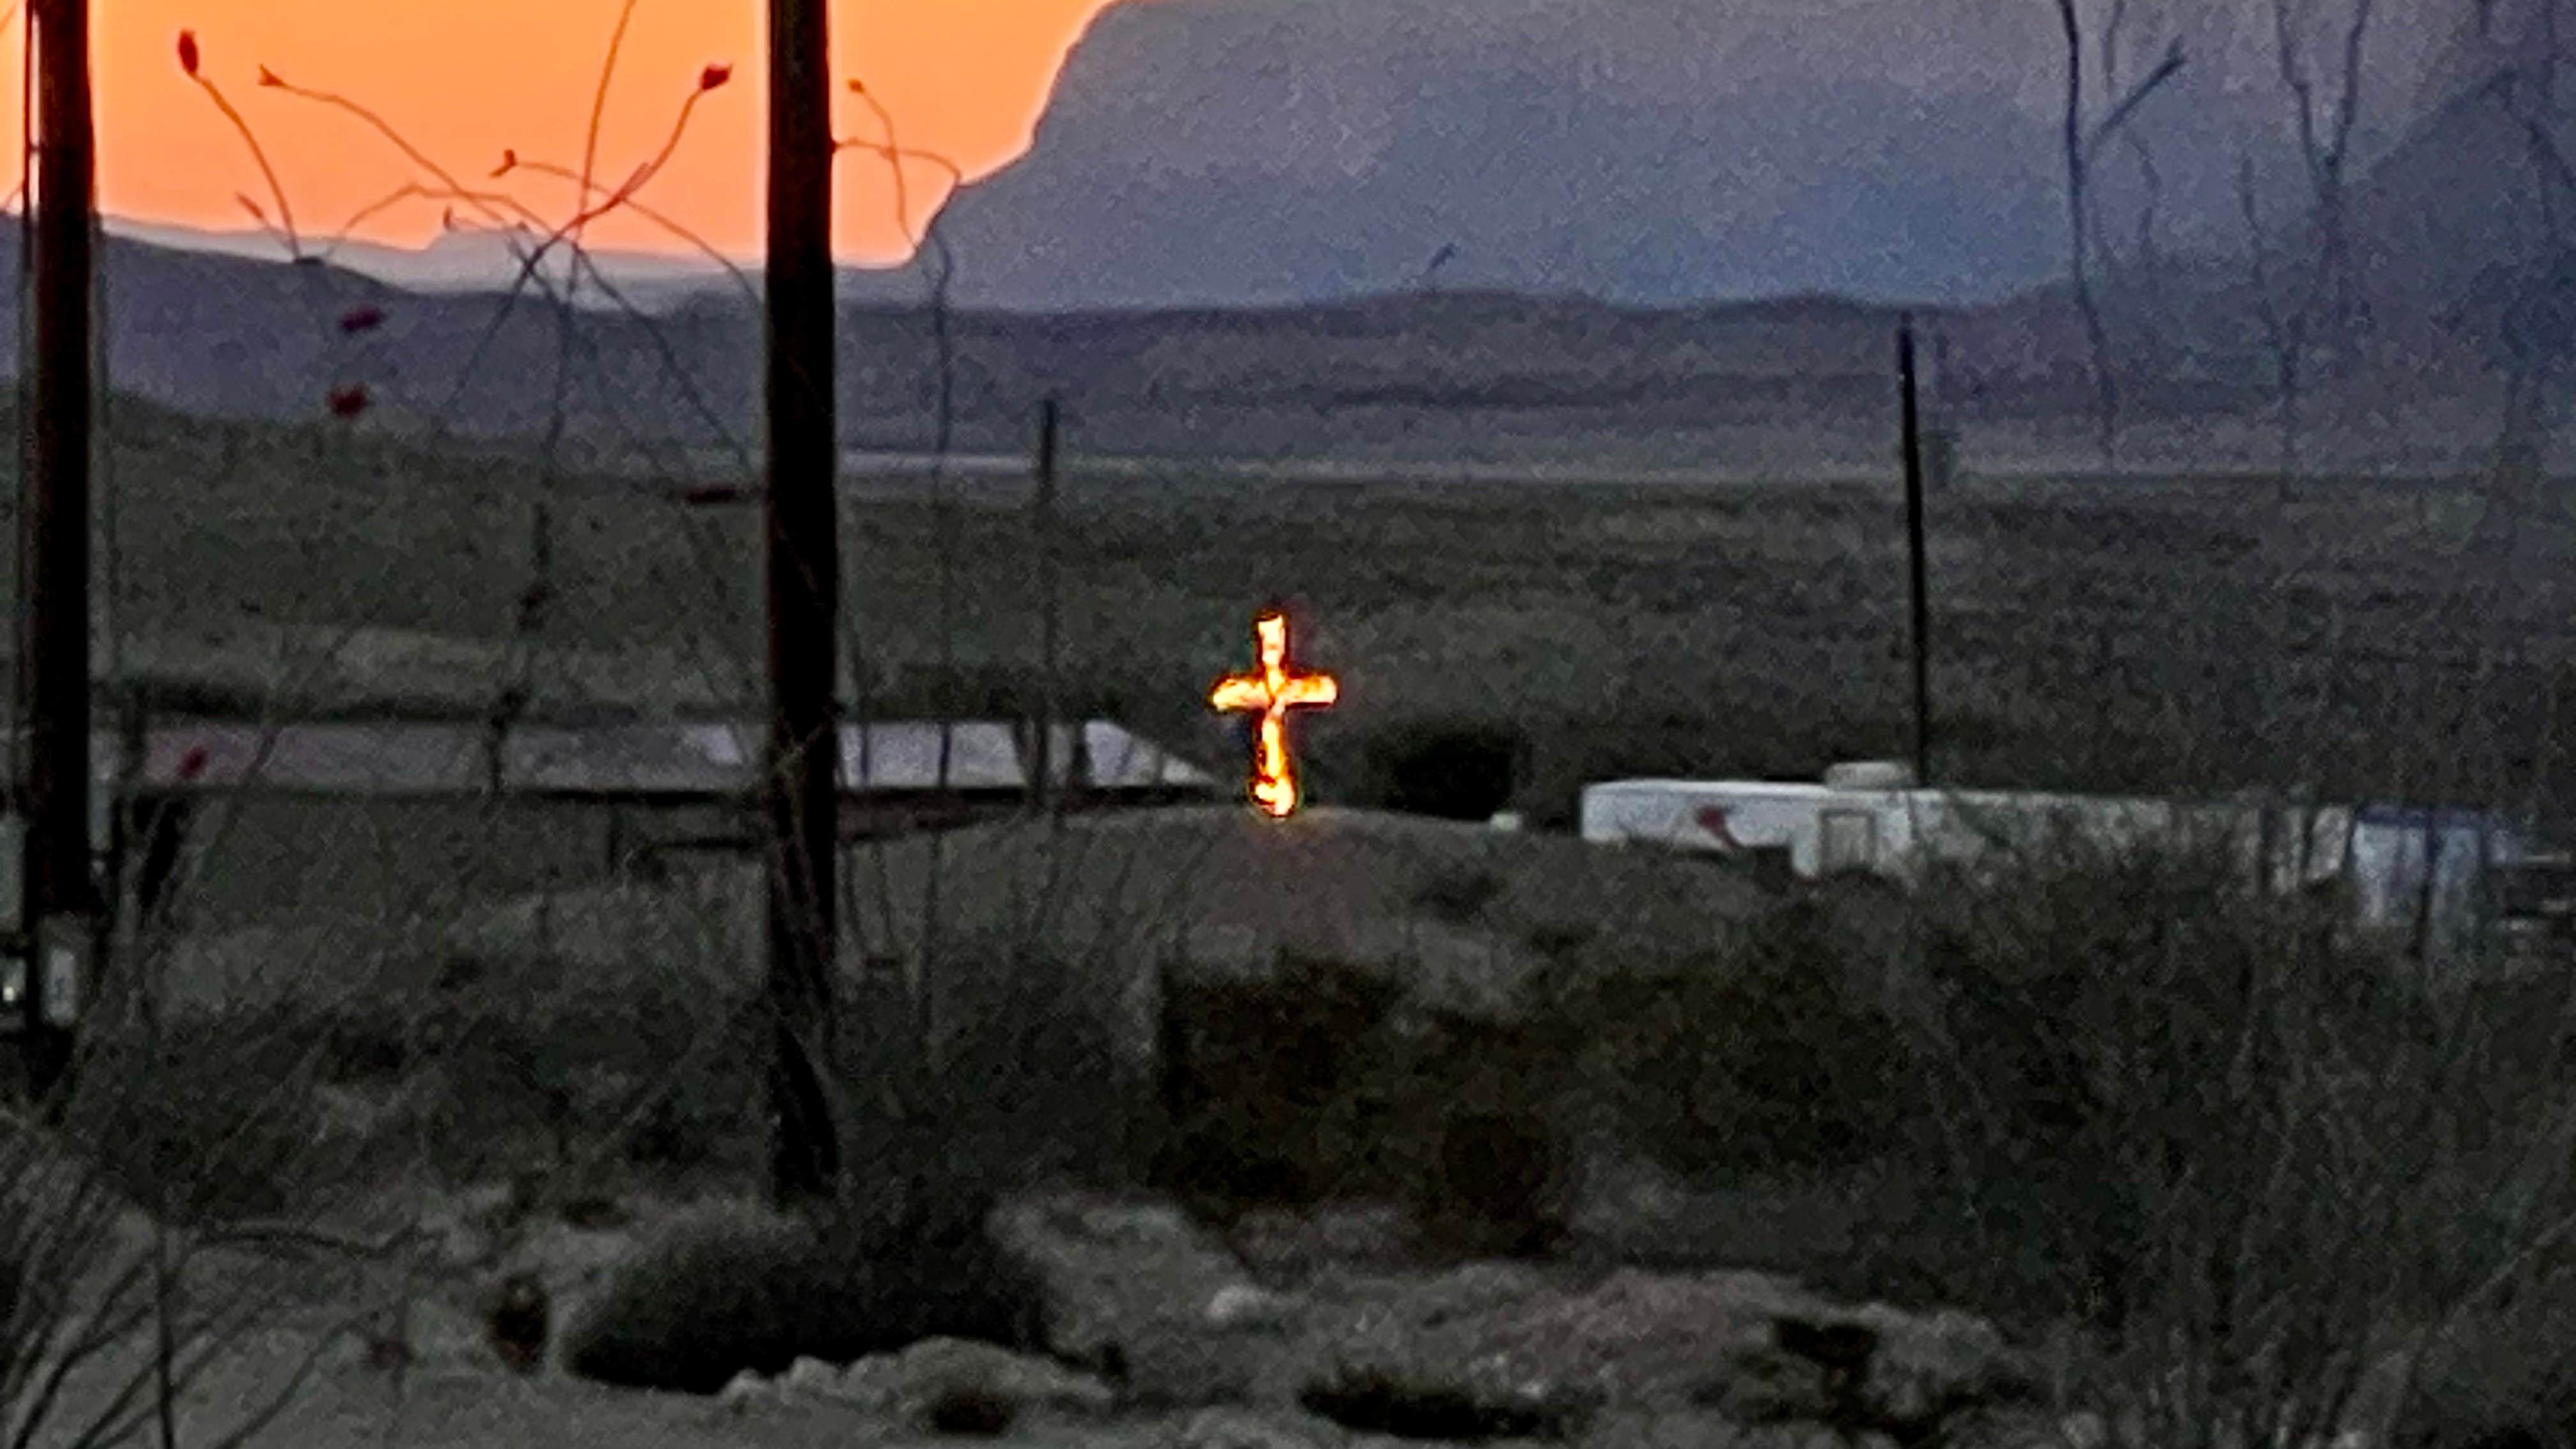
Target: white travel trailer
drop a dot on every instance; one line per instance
(1871, 819)
(1723, 817)
(2403, 866)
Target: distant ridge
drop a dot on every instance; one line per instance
(1484, 378)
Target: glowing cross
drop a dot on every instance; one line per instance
(1274, 691)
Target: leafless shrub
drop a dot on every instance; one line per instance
(2260, 1169)
(135, 1232)
(746, 1289)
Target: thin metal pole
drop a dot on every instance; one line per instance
(1042, 769)
(803, 584)
(1914, 545)
(25, 405)
(58, 889)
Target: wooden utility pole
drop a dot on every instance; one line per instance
(1042, 785)
(803, 581)
(1914, 548)
(61, 898)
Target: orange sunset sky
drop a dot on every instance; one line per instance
(465, 78)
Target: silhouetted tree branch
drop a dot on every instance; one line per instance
(2081, 146)
(2284, 329)
(2325, 132)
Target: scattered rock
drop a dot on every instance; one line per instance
(1244, 1306)
(1284, 1247)
(746, 1388)
(1131, 1223)
(812, 1376)
(1127, 1284)
(2085, 1431)
(1372, 1331)
(1228, 1428)
(1875, 1370)
(1482, 1401)
(1931, 1364)
(1643, 1339)
(1477, 1288)
(916, 1382)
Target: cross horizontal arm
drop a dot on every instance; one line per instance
(1241, 692)
(1310, 689)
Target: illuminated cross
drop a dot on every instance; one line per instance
(1273, 691)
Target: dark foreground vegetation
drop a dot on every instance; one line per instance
(2190, 1137)
(2244, 1174)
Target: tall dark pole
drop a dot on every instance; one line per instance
(803, 578)
(1914, 547)
(1042, 520)
(61, 900)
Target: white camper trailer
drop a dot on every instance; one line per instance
(1859, 820)
(2403, 866)
(1724, 817)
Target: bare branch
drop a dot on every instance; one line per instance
(894, 161)
(383, 128)
(2106, 392)
(2153, 179)
(626, 190)
(2281, 332)
(285, 211)
(599, 100)
(406, 192)
(956, 175)
(2119, 115)
(741, 279)
(2348, 107)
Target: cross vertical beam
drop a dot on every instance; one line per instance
(58, 889)
(803, 586)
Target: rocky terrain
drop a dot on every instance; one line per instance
(1291, 1332)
